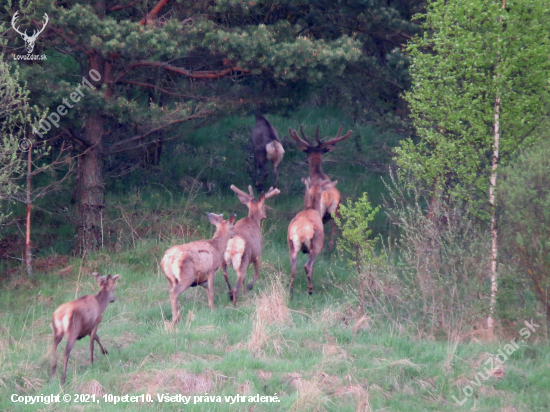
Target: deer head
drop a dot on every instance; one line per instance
(256, 208)
(29, 40)
(314, 152)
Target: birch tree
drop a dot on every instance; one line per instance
(479, 90)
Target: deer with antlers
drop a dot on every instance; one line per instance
(246, 245)
(29, 40)
(330, 199)
(267, 148)
(306, 232)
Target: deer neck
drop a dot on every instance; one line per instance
(313, 202)
(220, 239)
(102, 299)
(315, 172)
(255, 215)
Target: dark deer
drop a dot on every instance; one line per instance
(267, 148)
(246, 245)
(196, 263)
(305, 231)
(331, 198)
(81, 318)
(29, 40)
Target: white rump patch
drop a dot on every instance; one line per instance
(235, 251)
(275, 152)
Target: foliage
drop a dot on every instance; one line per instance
(16, 114)
(436, 264)
(471, 54)
(354, 224)
(525, 200)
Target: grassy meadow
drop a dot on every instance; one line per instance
(328, 351)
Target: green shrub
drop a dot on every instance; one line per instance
(525, 200)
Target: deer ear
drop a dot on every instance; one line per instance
(98, 279)
(329, 148)
(232, 218)
(214, 218)
(329, 185)
(115, 277)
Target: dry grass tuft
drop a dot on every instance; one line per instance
(271, 309)
(264, 375)
(92, 387)
(172, 381)
(359, 393)
(259, 337)
(310, 395)
(405, 362)
(190, 318)
(244, 388)
(334, 351)
(271, 305)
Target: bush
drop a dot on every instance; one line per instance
(525, 201)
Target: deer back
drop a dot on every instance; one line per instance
(197, 259)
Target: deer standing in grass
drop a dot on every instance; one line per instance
(267, 148)
(246, 245)
(330, 198)
(305, 231)
(196, 263)
(81, 318)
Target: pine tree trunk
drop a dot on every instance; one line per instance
(494, 229)
(91, 196)
(90, 193)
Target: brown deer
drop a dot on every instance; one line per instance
(305, 231)
(80, 318)
(196, 263)
(330, 198)
(267, 148)
(246, 245)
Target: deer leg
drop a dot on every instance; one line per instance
(275, 176)
(210, 289)
(103, 350)
(71, 339)
(92, 335)
(293, 258)
(333, 232)
(175, 291)
(226, 277)
(308, 267)
(57, 337)
(256, 273)
(241, 273)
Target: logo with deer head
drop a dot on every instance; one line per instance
(29, 40)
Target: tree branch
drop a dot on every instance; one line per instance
(153, 13)
(142, 136)
(166, 91)
(207, 74)
(121, 6)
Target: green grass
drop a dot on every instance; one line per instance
(388, 366)
(330, 357)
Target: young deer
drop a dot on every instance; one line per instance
(196, 263)
(267, 148)
(330, 198)
(305, 231)
(80, 318)
(246, 245)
